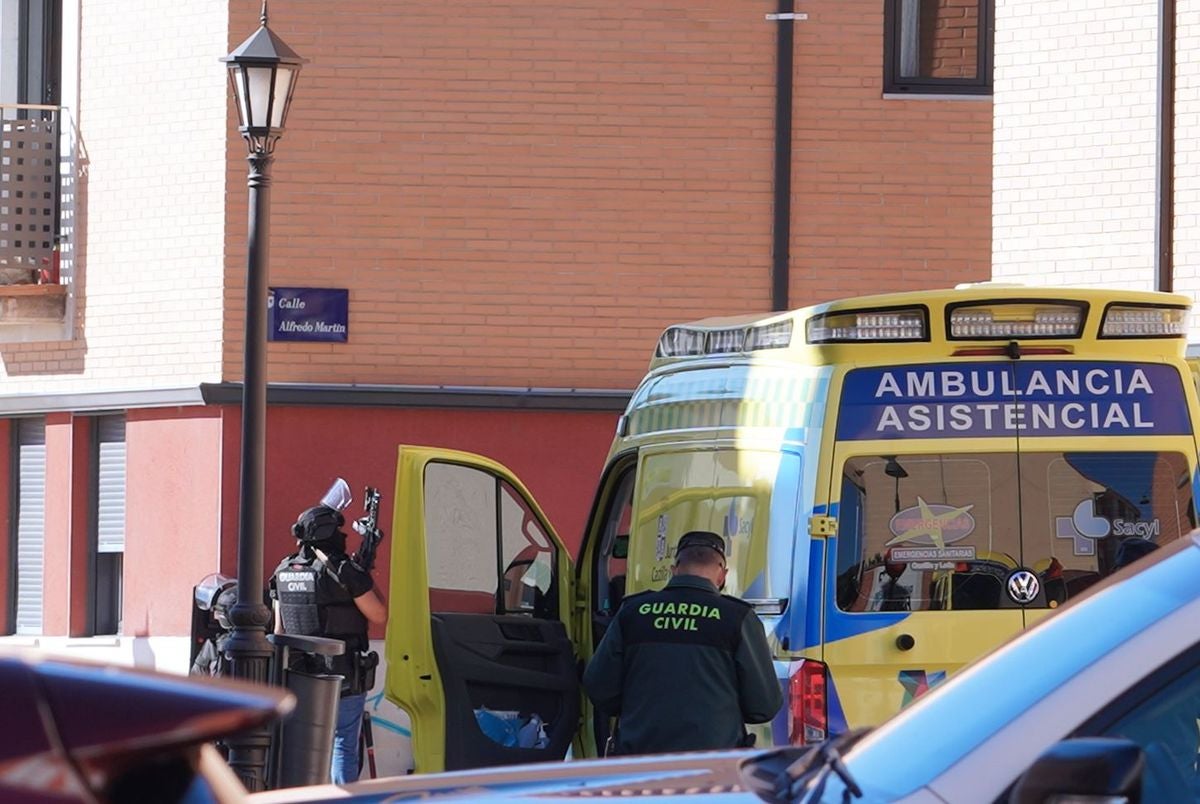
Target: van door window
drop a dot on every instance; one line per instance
(612, 557)
(527, 558)
(1087, 514)
(485, 551)
(727, 492)
(927, 532)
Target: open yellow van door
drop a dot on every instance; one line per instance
(479, 645)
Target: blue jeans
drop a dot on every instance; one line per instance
(345, 738)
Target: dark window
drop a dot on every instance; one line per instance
(612, 556)
(30, 51)
(108, 593)
(1160, 713)
(108, 484)
(938, 46)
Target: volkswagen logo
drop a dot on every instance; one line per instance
(1023, 586)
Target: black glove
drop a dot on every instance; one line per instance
(371, 537)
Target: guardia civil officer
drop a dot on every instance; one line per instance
(321, 591)
(686, 667)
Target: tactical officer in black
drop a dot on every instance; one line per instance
(686, 667)
(321, 591)
(210, 661)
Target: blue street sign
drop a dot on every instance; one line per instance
(308, 314)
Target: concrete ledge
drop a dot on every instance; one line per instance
(382, 396)
(426, 396)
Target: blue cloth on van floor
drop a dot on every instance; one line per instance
(510, 729)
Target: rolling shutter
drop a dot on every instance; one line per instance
(31, 523)
(110, 490)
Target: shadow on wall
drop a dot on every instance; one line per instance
(62, 357)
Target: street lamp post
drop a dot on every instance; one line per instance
(263, 72)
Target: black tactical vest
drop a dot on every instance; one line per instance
(296, 590)
(312, 603)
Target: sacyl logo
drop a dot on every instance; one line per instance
(1084, 526)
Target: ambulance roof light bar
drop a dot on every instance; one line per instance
(776, 335)
(681, 342)
(1144, 321)
(857, 326)
(1015, 319)
(696, 341)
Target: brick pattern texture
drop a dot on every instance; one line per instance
(1075, 134)
(526, 194)
(515, 193)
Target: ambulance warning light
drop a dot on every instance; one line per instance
(1015, 320)
(681, 342)
(899, 324)
(1143, 321)
(692, 342)
(770, 336)
(725, 341)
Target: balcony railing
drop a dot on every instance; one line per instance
(33, 288)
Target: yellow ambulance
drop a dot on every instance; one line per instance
(903, 482)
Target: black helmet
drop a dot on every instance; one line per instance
(222, 606)
(318, 524)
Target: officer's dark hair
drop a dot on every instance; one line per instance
(698, 556)
(318, 524)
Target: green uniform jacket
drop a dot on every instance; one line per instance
(684, 669)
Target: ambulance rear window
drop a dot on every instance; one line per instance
(946, 532)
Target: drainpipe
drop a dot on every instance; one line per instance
(781, 245)
(1164, 235)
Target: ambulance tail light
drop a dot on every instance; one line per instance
(1143, 321)
(897, 324)
(1015, 320)
(808, 705)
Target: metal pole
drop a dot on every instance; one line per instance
(781, 242)
(248, 649)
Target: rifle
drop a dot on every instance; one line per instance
(368, 528)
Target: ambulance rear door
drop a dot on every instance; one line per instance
(926, 488)
(479, 646)
(1110, 478)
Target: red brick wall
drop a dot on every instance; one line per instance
(526, 193)
(890, 194)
